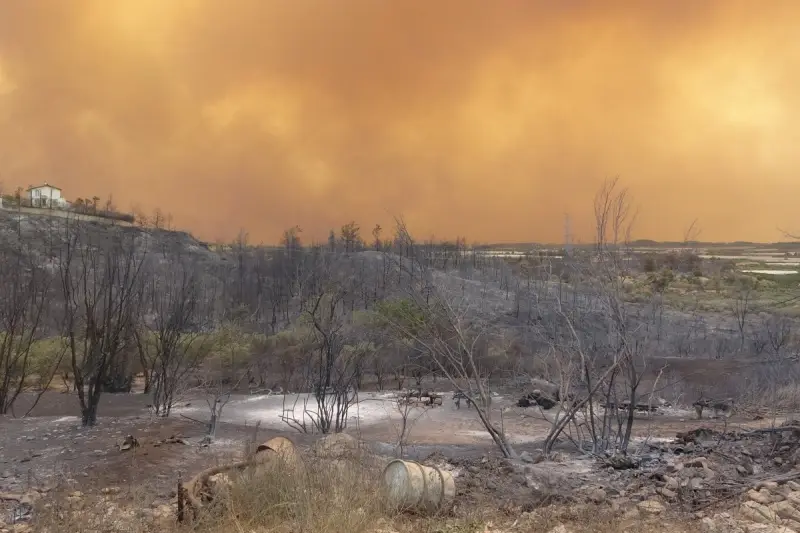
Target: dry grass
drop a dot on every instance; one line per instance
(787, 398)
(573, 518)
(344, 496)
(67, 510)
(322, 496)
(318, 495)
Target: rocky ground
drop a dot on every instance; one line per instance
(737, 481)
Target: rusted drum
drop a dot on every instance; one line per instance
(278, 447)
(409, 485)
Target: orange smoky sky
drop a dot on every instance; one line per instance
(487, 119)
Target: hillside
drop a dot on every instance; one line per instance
(147, 334)
(41, 231)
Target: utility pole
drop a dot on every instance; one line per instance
(567, 236)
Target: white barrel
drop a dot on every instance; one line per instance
(409, 485)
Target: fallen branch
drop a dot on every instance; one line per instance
(730, 458)
(191, 493)
(772, 430)
(194, 419)
(191, 487)
(752, 483)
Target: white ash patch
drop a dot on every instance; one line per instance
(64, 419)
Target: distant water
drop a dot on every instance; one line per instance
(771, 272)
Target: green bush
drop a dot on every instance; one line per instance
(401, 312)
(660, 281)
(43, 357)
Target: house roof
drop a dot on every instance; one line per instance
(43, 185)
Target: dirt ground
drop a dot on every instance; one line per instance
(50, 442)
(49, 449)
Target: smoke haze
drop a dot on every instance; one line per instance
(485, 119)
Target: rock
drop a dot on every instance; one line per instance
(793, 485)
(163, 511)
(597, 496)
(757, 512)
(526, 457)
(721, 523)
(777, 497)
(708, 524)
(786, 511)
(651, 508)
(792, 524)
(336, 445)
(759, 497)
(766, 528)
(674, 468)
(645, 493)
(699, 462)
(666, 493)
(671, 483)
(794, 498)
(619, 461)
(695, 483)
(725, 523)
(617, 505)
(631, 515)
(560, 528)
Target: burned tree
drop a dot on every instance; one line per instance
(177, 312)
(222, 372)
(24, 290)
(600, 340)
(332, 370)
(100, 273)
(742, 306)
(441, 324)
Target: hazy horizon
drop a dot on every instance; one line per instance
(466, 118)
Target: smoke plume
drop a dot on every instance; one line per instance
(484, 119)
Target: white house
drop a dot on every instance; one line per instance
(46, 196)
